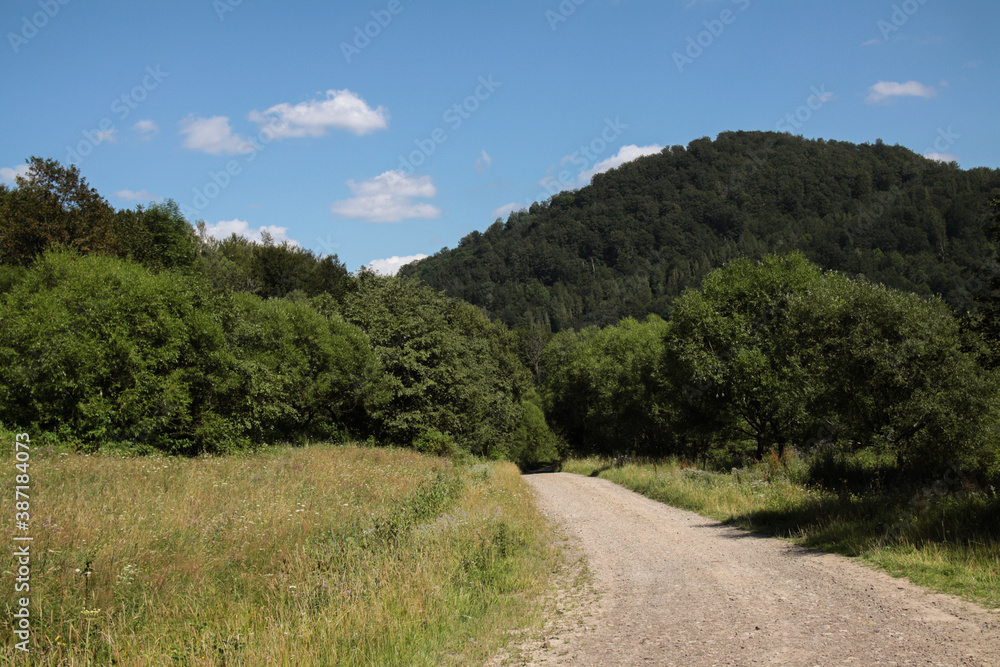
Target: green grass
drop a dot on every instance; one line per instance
(937, 536)
(319, 555)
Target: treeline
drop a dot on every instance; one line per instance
(767, 355)
(631, 242)
(128, 328)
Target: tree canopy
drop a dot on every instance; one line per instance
(629, 243)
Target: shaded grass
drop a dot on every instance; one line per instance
(942, 536)
(317, 555)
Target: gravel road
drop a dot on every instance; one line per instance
(676, 588)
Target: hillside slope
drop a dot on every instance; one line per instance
(635, 238)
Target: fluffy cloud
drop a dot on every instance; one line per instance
(942, 157)
(213, 135)
(8, 174)
(885, 91)
(625, 154)
(390, 266)
(226, 228)
(146, 129)
(341, 110)
(389, 197)
(140, 195)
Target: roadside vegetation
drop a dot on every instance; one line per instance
(943, 534)
(314, 555)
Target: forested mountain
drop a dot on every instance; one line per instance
(634, 239)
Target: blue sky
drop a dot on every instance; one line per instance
(392, 128)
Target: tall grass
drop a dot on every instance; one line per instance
(319, 555)
(943, 536)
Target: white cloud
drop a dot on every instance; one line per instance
(213, 135)
(503, 211)
(942, 157)
(140, 195)
(389, 197)
(625, 154)
(483, 162)
(872, 41)
(111, 135)
(226, 228)
(8, 174)
(390, 266)
(886, 90)
(146, 129)
(341, 110)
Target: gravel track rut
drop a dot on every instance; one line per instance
(676, 588)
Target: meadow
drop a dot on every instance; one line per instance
(290, 556)
(944, 535)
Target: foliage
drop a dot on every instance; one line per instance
(297, 374)
(53, 206)
(736, 356)
(534, 445)
(603, 388)
(104, 350)
(101, 349)
(634, 239)
(775, 353)
(448, 368)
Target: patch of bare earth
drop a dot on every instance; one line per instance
(675, 588)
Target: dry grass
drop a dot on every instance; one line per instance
(293, 556)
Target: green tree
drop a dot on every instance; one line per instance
(100, 349)
(733, 352)
(53, 205)
(158, 237)
(448, 368)
(898, 373)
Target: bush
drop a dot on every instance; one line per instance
(105, 350)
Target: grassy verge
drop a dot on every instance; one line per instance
(319, 555)
(941, 536)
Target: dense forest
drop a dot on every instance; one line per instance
(630, 243)
(132, 330)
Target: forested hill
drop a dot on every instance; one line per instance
(630, 242)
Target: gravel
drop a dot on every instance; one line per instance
(675, 588)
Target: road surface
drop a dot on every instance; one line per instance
(675, 588)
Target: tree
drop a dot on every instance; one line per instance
(898, 374)
(733, 353)
(448, 369)
(158, 237)
(54, 206)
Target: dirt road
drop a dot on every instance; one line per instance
(675, 588)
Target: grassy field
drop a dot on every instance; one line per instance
(318, 555)
(945, 536)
